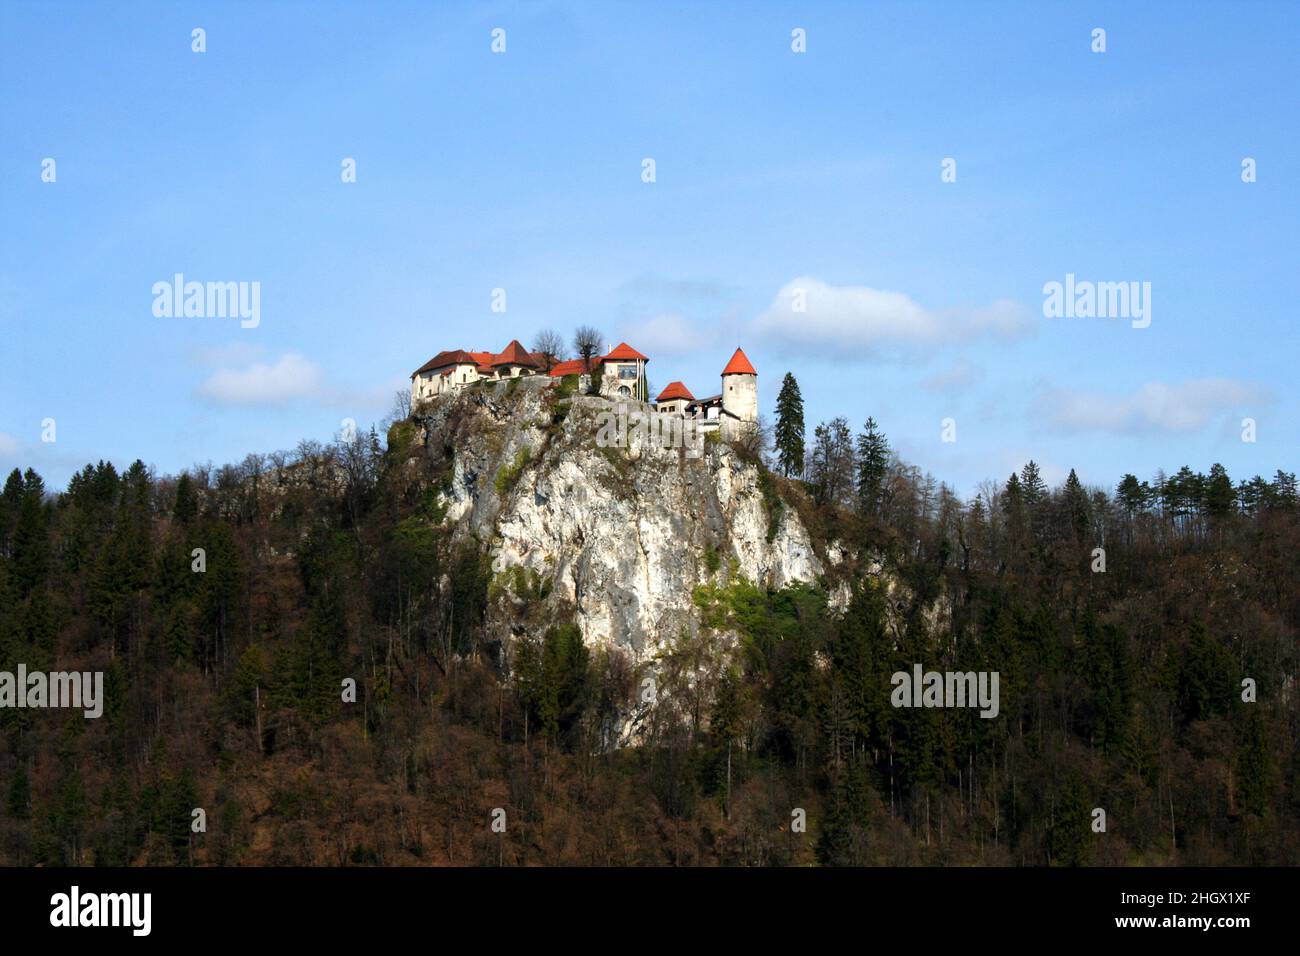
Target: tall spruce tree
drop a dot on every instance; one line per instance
(789, 427)
(1076, 506)
(873, 461)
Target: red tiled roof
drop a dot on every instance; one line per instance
(445, 358)
(516, 354)
(675, 390)
(512, 354)
(574, 367)
(739, 365)
(625, 352)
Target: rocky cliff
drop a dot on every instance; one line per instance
(613, 538)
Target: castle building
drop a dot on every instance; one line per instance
(621, 373)
(457, 368)
(739, 396)
(732, 410)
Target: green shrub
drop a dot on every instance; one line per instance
(400, 437)
(509, 474)
(772, 501)
(712, 560)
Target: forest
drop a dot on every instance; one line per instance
(1121, 689)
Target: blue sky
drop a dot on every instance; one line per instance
(775, 171)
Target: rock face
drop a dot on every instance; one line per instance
(615, 538)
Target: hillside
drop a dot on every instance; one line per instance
(642, 656)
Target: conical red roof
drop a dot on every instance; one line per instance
(675, 390)
(625, 352)
(514, 354)
(739, 365)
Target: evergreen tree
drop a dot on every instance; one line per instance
(1032, 487)
(1254, 766)
(187, 504)
(551, 677)
(1068, 829)
(789, 428)
(1130, 495)
(1219, 493)
(1076, 506)
(873, 463)
(31, 547)
(1284, 489)
(11, 501)
(1206, 679)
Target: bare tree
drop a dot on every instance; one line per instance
(401, 405)
(551, 347)
(588, 343)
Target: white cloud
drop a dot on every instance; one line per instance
(9, 447)
(859, 317)
(669, 333)
(290, 377)
(962, 375)
(1185, 407)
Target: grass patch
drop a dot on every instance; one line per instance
(509, 474)
(771, 501)
(523, 582)
(712, 560)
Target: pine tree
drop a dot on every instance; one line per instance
(1130, 495)
(31, 544)
(1068, 829)
(1219, 493)
(789, 427)
(186, 503)
(1284, 488)
(873, 462)
(11, 501)
(1076, 506)
(1254, 766)
(1032, 487)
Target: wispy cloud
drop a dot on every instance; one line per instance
(807, 313)
(670, 333)
(1155, 407)
(677, 289)
(289, 378)
(961, 375)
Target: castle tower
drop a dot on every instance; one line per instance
(739, 396)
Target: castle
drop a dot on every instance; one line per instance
(619, 374)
